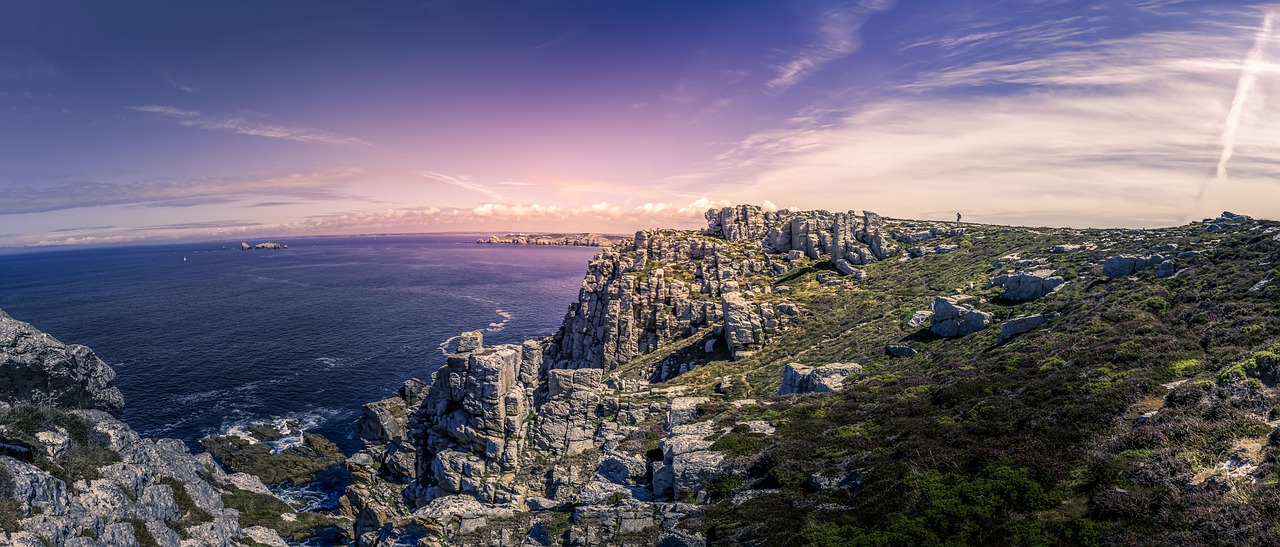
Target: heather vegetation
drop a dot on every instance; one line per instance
(1142, 413)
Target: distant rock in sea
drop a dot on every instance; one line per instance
(266, 246)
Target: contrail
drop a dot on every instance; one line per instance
(1248, 76)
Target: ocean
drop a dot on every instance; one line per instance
(206, 338)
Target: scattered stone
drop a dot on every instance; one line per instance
(798, 378)
(1028, 285)
(893, 350)
(1019, 325)
(1166, 269)
(1066, 248)
(1122, 265)
(951, 318)
(1227, 220)
(917, 319)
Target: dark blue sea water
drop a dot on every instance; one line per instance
(205, 338)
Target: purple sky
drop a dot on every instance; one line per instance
(150, 120)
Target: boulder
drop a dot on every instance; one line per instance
(951, 318)
(798, 378)
(1121, 265)
(1028, 285)
(35, 367)
(918, 319)
(893, 350)
(1019, 325)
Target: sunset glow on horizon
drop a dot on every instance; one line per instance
(143, 121)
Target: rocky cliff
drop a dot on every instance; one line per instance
(521, 435)
(824, 377)
(72, 474)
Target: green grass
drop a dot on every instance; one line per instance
(85, 454)
(1026, 443)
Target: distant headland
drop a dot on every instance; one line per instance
(573, 240)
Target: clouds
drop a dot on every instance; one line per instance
(173, 193)
(1109, 130)
(837, 36)
(243, 126)
(600, 217)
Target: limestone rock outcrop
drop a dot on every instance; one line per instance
(798, 378)
(1018, 325)
(1121, 265)
(35, 367)
(128, 490)
(1028, 285)
(951, 318)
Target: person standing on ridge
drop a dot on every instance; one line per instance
(957, 217)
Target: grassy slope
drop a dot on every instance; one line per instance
(1033, 442)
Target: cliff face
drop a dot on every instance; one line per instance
(825, 377)
(72, 474)
(521, 433)
(41, 370)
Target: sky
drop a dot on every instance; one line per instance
(145, 121)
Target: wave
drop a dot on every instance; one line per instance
(497, 327)
(291, 426)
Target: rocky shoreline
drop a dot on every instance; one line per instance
(592, 436)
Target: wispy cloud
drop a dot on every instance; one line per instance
(837, 37)
(173, 193)
(1115, 130)
(600, 217)
(243, 126)
(464, 183)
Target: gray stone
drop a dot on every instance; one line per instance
(1066, 248)
(1028, 285)
(1166, 269)
(951, 318)
(1019, 325)
(1121, 265)
(918, 319)
(798, 378)
(893, 350)
(37, 368)
(470, 341)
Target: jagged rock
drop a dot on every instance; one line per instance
(798, 378)
(1166, 269)
(951, 318)
(1019, 325)
(911, 238)
(747, 325)
(683, 410)
(55, 443)
(1066, 248)
(741, 223)
(264, 536)
(37, 368)
(564, 419)
(687, 461)
(845, 268)
(1121, 265)
(470, 341)
(899, 351)
(1227, 220)
(1028, 285)
(918, 318)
